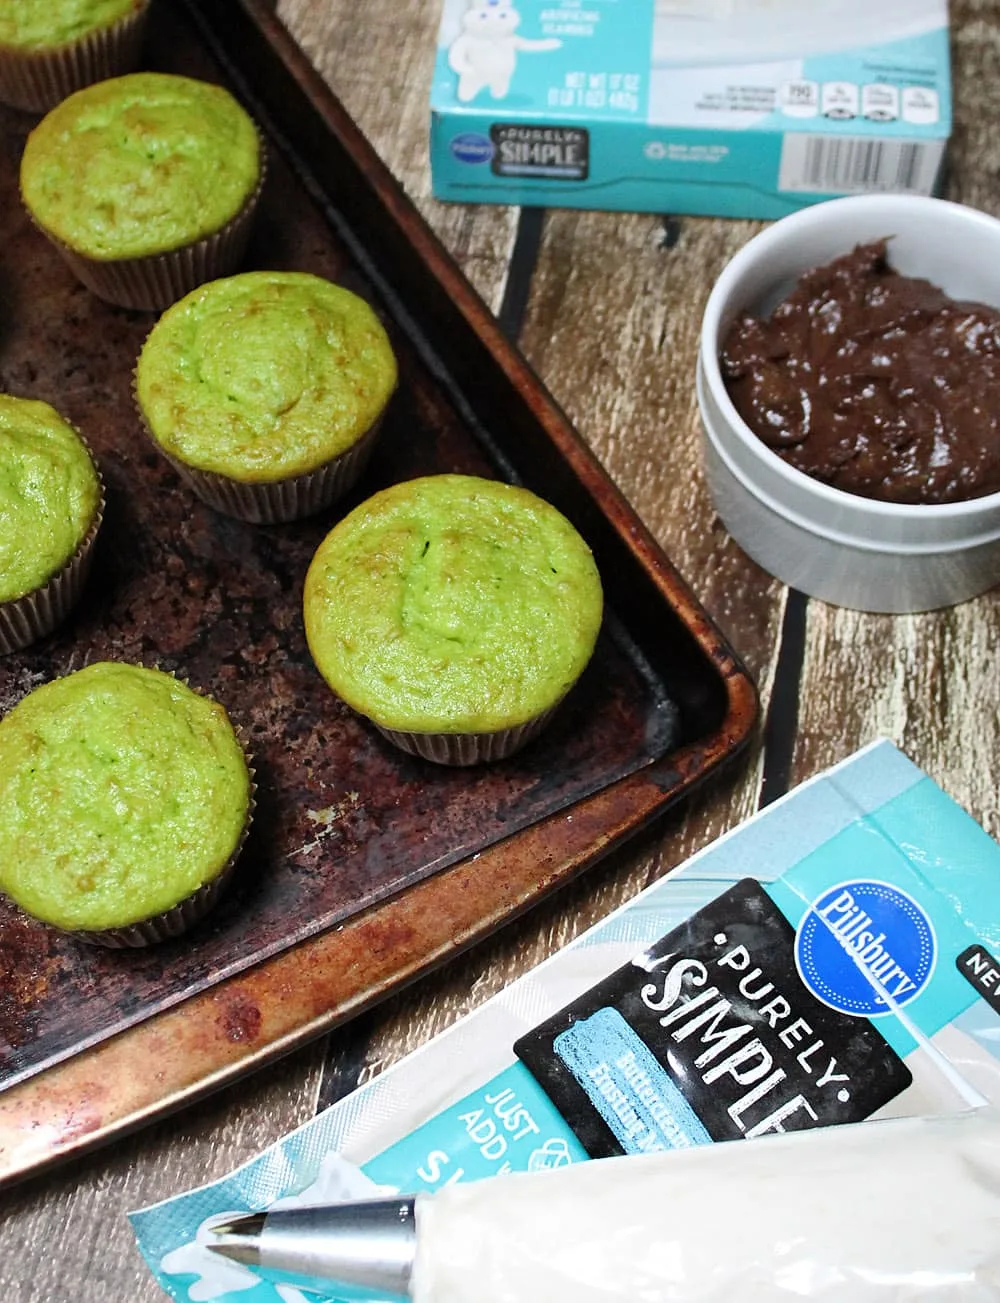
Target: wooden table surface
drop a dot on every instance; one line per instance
(606, 307)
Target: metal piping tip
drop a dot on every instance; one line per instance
(248, 1254)
(371, 1243)
(251, 1224)
(240, 1238)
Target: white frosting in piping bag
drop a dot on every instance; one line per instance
(906, 1209)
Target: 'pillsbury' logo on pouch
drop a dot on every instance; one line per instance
(471, 147)
(864, 947)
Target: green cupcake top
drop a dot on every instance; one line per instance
(49, 494)
(265, 375)
(452, 604)
(121, 793)
(43, 24)
(140, 165)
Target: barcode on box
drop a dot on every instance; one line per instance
(857, 165)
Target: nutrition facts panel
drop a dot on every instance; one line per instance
(876, 101)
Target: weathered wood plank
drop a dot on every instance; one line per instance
(925, 681)
(379, 59)
(919, 680)
(612, 327)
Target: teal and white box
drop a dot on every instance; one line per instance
(733, 108)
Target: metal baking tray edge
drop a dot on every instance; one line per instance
(242, 1024)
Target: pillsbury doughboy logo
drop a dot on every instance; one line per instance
(484, 54)
(864, 947)
(471, 147)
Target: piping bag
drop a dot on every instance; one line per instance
(888, 1210)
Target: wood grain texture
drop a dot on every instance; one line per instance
(611, 325)
(925, 681)
(379, 59)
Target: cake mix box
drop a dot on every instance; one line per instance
(832, 960)
(735, 108)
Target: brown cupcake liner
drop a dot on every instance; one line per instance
(37, 80)
(166, 926)
(283, 500)
(468, 748)
(174, 922)
(25, 620)
(153, 282)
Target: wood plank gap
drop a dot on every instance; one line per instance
(344, 1062)
(523, 260)
(783, 710)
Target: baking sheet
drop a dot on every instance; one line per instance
(344, 820)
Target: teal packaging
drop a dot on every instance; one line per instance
(834, 959)
(733, 108)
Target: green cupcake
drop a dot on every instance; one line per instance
(145, 184)
(266, 391)
(124, 800)
(42, 24)
(50, 48)
(455, 613)
(51, 504)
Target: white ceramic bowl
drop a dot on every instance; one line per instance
(845, 549)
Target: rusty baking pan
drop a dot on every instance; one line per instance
(365, 867)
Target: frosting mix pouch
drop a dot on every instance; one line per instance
(709, 1034)
(833, 959)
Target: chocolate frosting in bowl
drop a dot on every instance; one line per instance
(874, 382)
